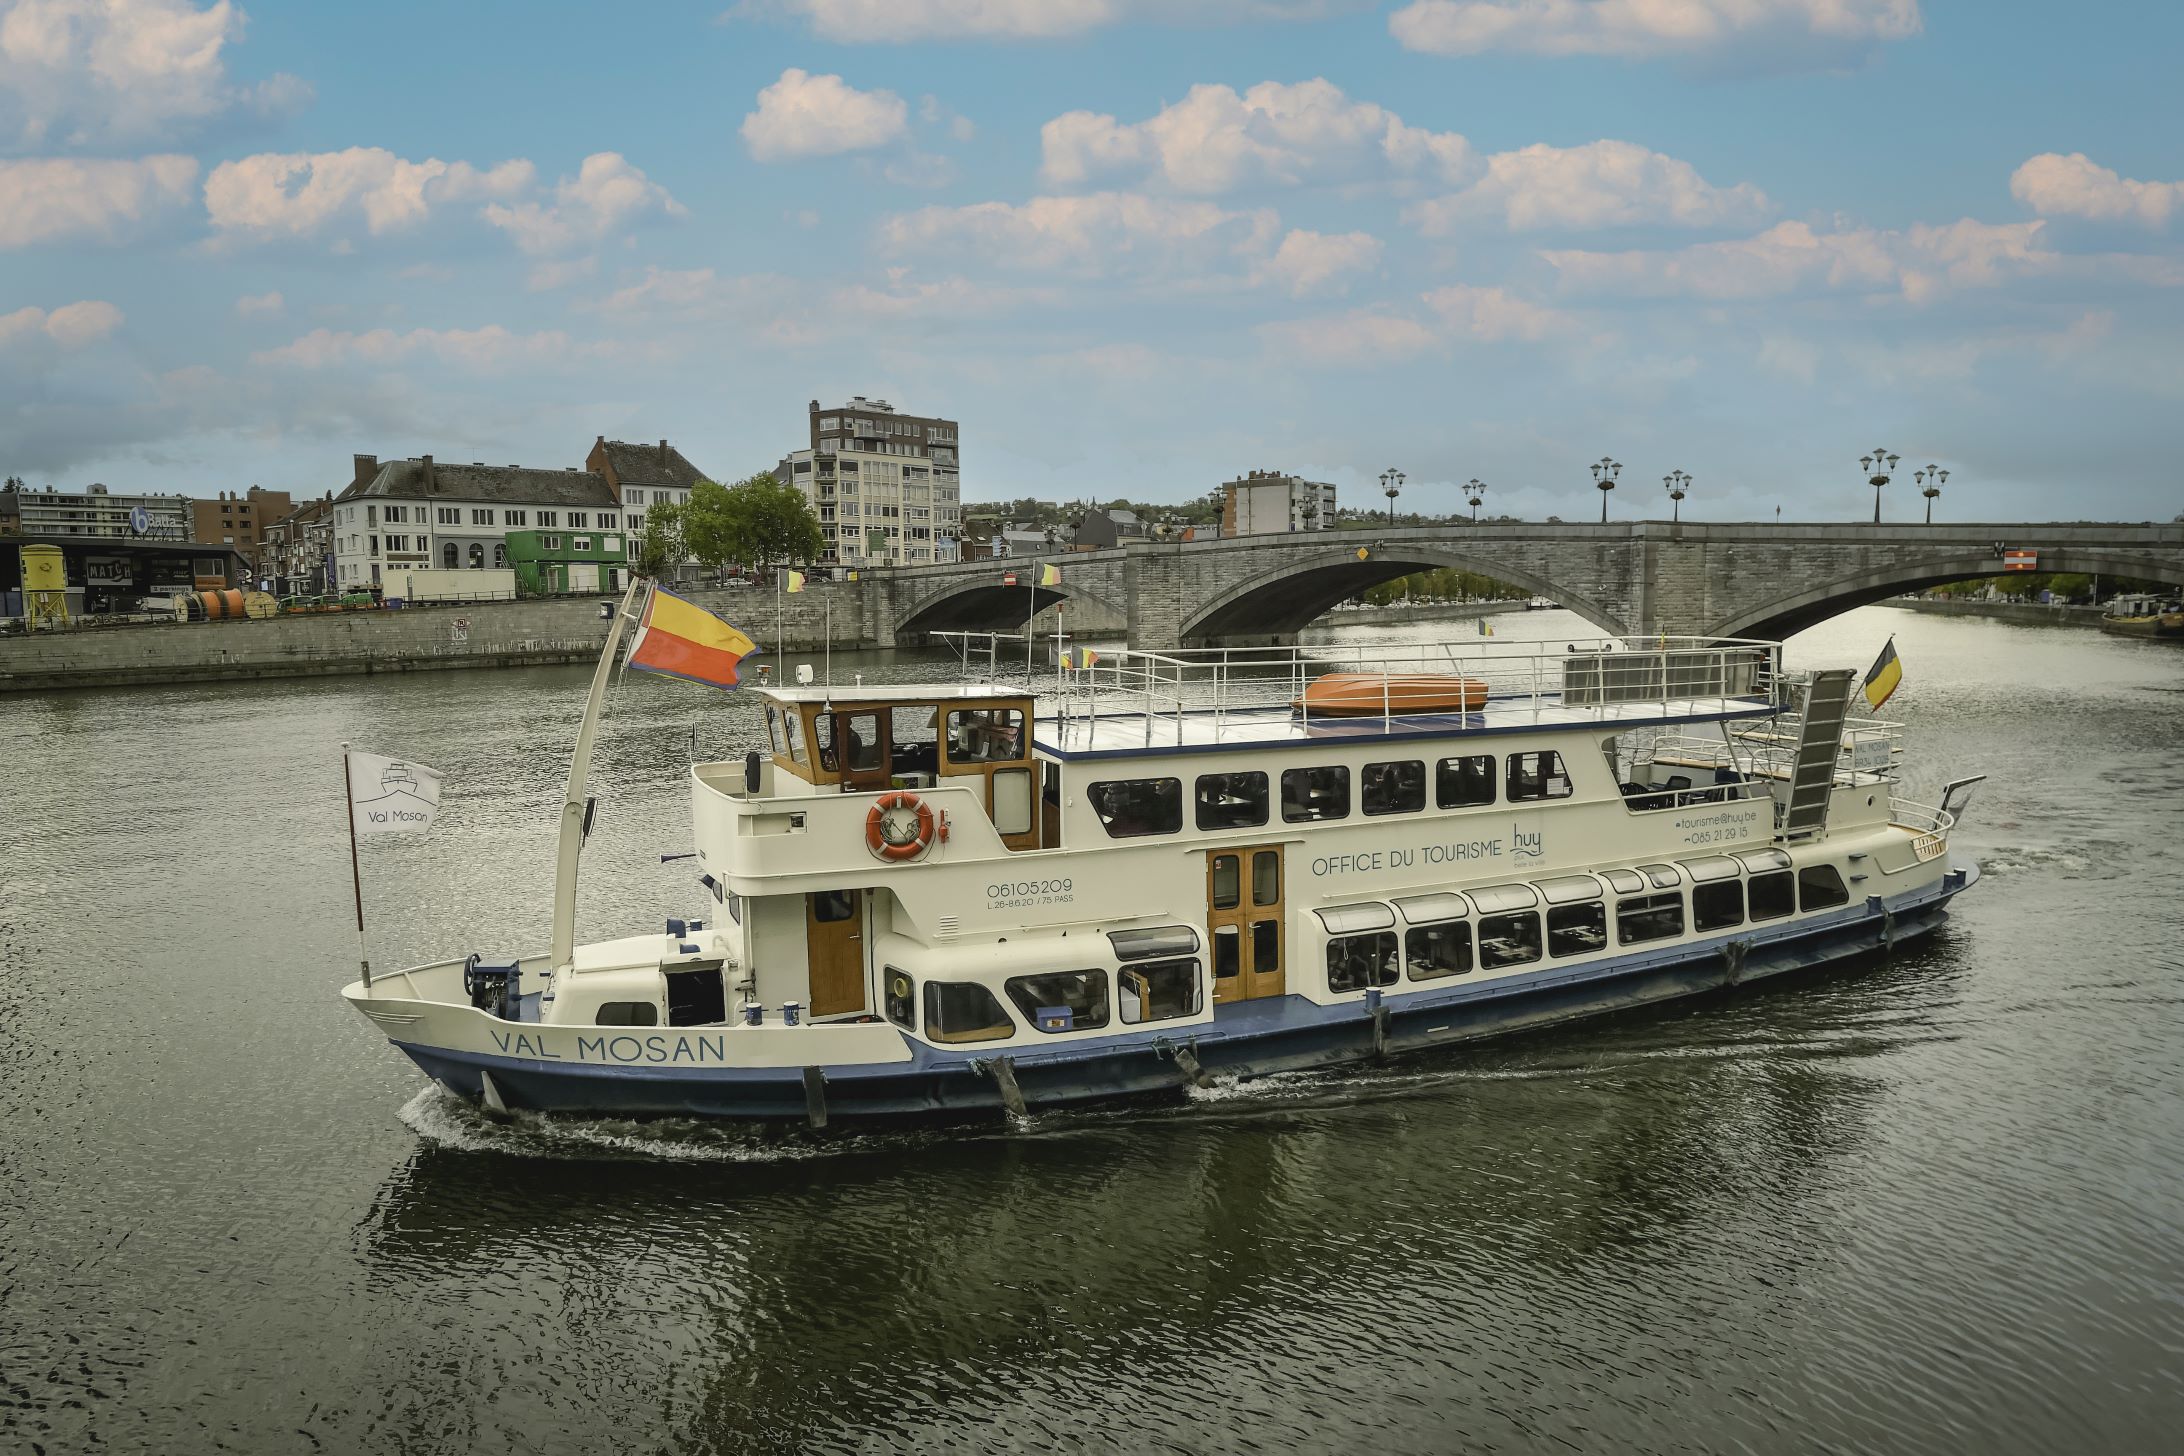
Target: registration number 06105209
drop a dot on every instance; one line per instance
(1017, 894)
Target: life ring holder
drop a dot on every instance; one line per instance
(896, 851)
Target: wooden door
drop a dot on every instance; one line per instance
(834, 946)
(1244, 921)
(860, 739)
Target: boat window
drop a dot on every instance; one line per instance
(1820, 887)
(1348, 919)
(1132, 807)
(1433, 951)
(773, 727)
(1756, 860)
(1624, 882)
(1228, 881)
(1663, 876)
(1266, 877)
(985, 735)
(1357, 961)
(1315, 793)
(829, 906)
(627, 1013)
(1394, 788)
(1231, 800)
(1446, 905)
(1537, 776)
(1158, 990)
(792, 726)
(1061, 1000)
(901, 1000)
(1155, 943)
(1504, 897)
(913, 739)
(959, 1011)
(1462, 783)
(1567, 889)
(1648, 917)
(1012, 800)
(859, 731)
(1228, 952)
(1717, 906)
(1712, 867)
(1509, 940)
(1577, 929)
(1772, 896)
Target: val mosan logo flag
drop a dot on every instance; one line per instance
(391, 795)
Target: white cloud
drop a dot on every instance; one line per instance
(1099, 233)
(2076, 186)
(299, 194)
(605, 195)
(1492, 315)
(487, 350)
(866, 21)
(1601, 184)
(71, 326)
(1454, 314)
(1309, 262)
(802, 115)
(82, 70)
(1794, 257)
(256, 303)
(1214, 140)
(51, 199)
(1645, 29)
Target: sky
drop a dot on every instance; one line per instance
(1136, 247)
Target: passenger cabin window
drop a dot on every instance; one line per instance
(1357, 961)
(1231, 800)
(1648, 917)
(1160, 942)
(1393, 788)
(985, 735)
(1577, 929)
(1772, 895)
(960, 1011)
(901, 999)
(627, 1013)
(1820, 887)
(1464, 783)
(1537, 776)
(1433, 951)
(1717, 905)
(1061, 1000)
(1129, 808)
(1157, 990)
(1310, 794)
(1509, 940)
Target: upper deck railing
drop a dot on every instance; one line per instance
(1679, 674)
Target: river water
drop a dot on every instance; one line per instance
(1929, 1202)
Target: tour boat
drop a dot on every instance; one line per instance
(1163, 870)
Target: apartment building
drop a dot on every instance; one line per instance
(96, 511)
(887, 486)
(295, 555)
(1268, 502)
(238, 520)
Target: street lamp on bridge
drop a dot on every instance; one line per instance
(1877, 466)
(1475, 488)
(1391, 482)
(1603, 475)
(1678, 484)
(1931, 480)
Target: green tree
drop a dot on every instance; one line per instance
(659, 545)
(754, 522)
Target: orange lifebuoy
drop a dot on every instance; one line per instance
(884, 835)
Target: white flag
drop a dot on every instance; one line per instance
(391, 795)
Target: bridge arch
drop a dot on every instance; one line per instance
(1811, 604)
(985, 605)
(1281, 600)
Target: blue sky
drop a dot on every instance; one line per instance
(1134, 246)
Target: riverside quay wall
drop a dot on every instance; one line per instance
(413, 639)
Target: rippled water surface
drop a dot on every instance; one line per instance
(1924, 1203)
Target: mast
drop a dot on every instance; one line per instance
(574, 804)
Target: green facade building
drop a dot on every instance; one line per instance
(568, 563)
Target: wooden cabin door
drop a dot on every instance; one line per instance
(1244, 922)
(834, 945)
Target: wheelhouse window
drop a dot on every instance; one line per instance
(1394, 788)
(1310, 794)
(1717, 905)
(960, 1011)
(1433, 951)
(1061, 1000)
(1231, 800)
(1772, 895)
(1821, 887)
(1509, 940)
(900, 999)
(986, 735)
(1574, 930)
(1464, 783)
(1641, 918)
(1158, 990)
(1537, 776)
(1129, 808)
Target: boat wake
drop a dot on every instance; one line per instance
(446, 1120)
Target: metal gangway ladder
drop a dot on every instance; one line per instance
(1824, 710)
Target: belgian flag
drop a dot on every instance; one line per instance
(1882, 679)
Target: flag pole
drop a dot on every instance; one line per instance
(780, 655)
(1033, 584)
(575, 810)
(356, 873)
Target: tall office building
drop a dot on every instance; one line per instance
(887, 486)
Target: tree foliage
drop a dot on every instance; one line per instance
(659, 544)
(753, 522)
(1445, 584)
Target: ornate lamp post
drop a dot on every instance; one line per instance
(1391, 483)
(1877, 466)
(1678, 484)
(1475, 488)
(1931, 480)
(1603, 475)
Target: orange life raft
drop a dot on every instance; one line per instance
(1363, 694)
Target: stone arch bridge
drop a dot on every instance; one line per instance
(1638, 578)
